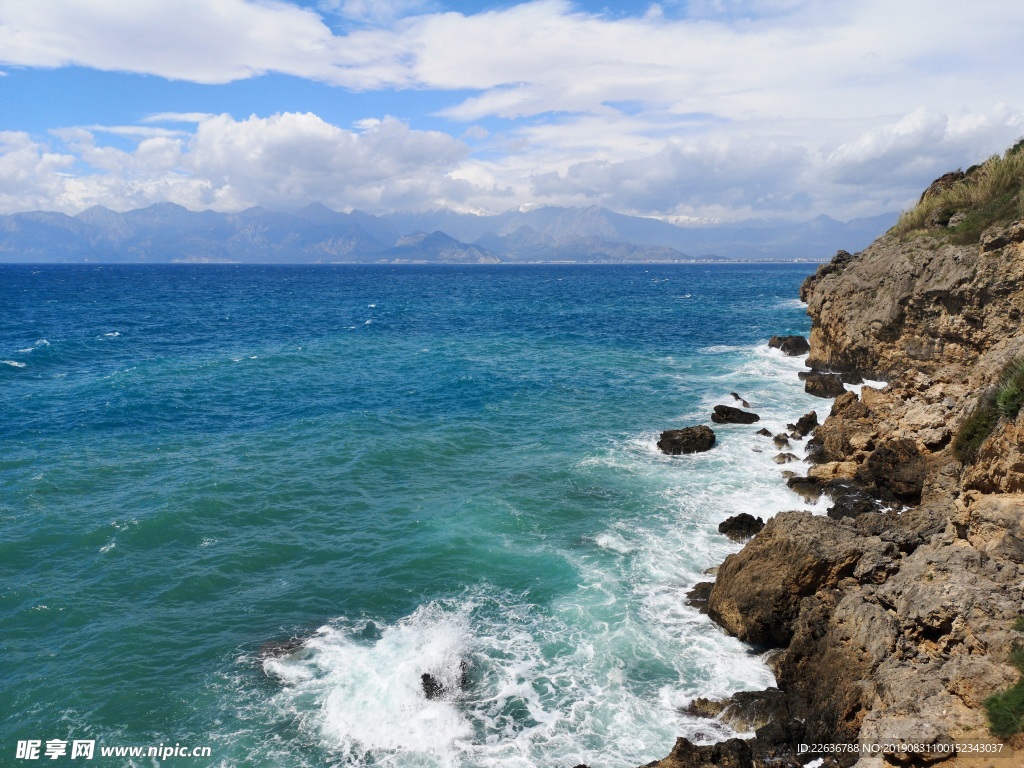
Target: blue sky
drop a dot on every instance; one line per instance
(709, 109)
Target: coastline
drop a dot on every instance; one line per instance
(891, 619)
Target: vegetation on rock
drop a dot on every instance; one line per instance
(1006, 710)
(1010, 396)
(962, 209)
(1003, 401)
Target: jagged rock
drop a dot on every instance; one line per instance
(757, 593)
(740, 400)
(701, 707)
(781, 440)
(734, 753)
(785, 458)
(896, 469)
(849, 500)
(941, 184)
(741, 527)
(994, 238)
(805, 424)
(763, 432)
(726, 414)
(806, 487)
(687, 440)
(698, 596)
(824, 385)
(790, 345)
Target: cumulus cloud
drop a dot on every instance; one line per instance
(761, 105)
(285, 160)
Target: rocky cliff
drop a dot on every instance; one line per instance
(896, 617)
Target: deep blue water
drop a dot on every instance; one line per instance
(410, 468)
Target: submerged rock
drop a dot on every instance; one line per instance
(687, 440)
(785, 458)
(726, 414)
(792, 346)
(740, 400)
(432, 687)
(741, 527)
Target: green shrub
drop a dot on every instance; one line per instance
(1006, 710)
(1018, 625)
(989, 193)
(976, 428)
(1010, 396)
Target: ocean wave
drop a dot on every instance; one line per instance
(38, 345)
(13, 363)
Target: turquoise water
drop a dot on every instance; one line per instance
(413, 469)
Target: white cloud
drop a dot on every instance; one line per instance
(284, 160)
(741, 105)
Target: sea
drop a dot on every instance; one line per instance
(248, 508)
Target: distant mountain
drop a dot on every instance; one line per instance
(170, 233)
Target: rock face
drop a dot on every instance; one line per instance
(687, 440)
(823, 384)
(793, 346)
(893, 616)
(726, 414)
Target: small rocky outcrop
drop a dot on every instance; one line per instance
(763, 432)
(687, 440)
(785, 458)
(781, 440)
(793, 346)
(432, 687)
(741, 527)
(698, 595)
(739, 400)
(823, 384)
(734, 753)
(726, 414)
(804, 424)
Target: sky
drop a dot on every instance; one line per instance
(688, 111)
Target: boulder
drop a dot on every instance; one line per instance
(698, 596)
(792, 346)
(785, 458)
(805, 424)
(741, 527)
(896, 469)
(781, 440)
(687, 440)
(740, 400)
(824, 385)
(763, 432)
(726, 414)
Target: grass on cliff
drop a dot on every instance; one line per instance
(988, 194)
(1005, 401)
(1006, 710)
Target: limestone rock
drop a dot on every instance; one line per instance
(824, 385)
(792, 346)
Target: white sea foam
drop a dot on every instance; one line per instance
(108, 546)
(38, 345)
(13, 363)
(112, 334)
(614, 542)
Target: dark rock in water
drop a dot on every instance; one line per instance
(781, 441)
(701, 707)
(687, 440)
(698, 596)
(734, 753)
(851, 377)
(763, 432)
(277, 649)
(790, 345)
(807, 487)
(785, 458)
(805, 424)
(741, 527)
(824, 385)
(726, 414)
(740, 400)
(432, 687)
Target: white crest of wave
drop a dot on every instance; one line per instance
(13, 363)
(370, 695)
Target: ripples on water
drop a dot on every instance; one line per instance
(437, 470)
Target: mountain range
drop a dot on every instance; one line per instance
(166, 232)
